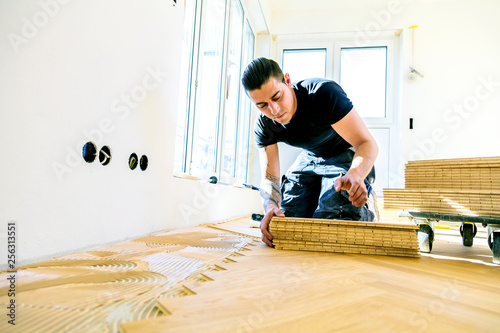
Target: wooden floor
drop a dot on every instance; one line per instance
(453, 289)
(222, 278)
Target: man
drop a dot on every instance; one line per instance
(329, 178)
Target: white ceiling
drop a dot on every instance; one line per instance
(277, 5)
(298, 5)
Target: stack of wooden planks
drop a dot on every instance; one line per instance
(458, 202)
(467, 186)
(462, 174)
(340, 236)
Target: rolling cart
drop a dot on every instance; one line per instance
(468, 229)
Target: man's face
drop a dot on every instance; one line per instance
(275, 99)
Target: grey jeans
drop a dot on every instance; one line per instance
(308, 190)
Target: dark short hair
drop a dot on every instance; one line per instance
(259, 71)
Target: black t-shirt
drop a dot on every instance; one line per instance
(320, 103)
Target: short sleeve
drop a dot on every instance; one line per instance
(264, 135)
(334, 100)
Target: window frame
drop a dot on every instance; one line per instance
(223, 176)
(190, 167)
(191, 93)
(187, 93)
(325, 53)
(245, 106)
(391, 125)
(328, 46)
(389, 100)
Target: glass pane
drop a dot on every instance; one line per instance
(184, 91)
(209, 82)
(294, 60)
(245, 107)
(232, 88)
(363, 78)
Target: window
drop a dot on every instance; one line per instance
(294, 60)
(208, 87)
(212, 117)
(366, 70)
(363, 78)
(366, 73)
(184, 84)
(232, 90)
(244, 136)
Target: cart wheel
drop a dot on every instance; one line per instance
(490, 241)
(462, 229)
(495, 235)
(468, 234)
(425, 237)
(257, 217)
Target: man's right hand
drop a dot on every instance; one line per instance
(264, 225)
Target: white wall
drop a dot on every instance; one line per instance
(456, 114)
(65, 82)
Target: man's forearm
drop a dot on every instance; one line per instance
(270, 192)
(364, 158)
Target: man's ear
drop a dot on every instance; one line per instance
(287, 79)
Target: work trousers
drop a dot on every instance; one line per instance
(308, 189)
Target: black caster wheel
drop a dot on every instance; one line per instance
(462, 229)
(495, 235)
(425, 237)
(257, 217)
(468, 234)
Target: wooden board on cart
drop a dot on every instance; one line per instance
(468, 173)
(466, 202)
